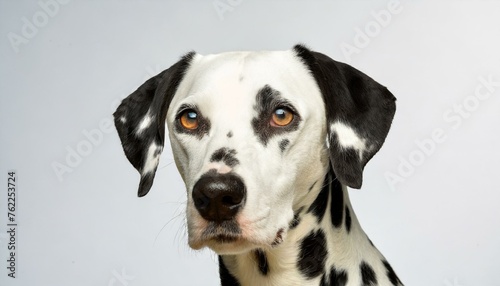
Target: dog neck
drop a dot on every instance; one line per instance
(325, 244)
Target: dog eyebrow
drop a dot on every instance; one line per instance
(265, 97)
(268, 99)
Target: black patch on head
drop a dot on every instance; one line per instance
(225, 155)
(283, 144)
(203, 123)
(367, 274)
(151, 99)
(354, 98)
(230, 134)
(335, 278)
(347, 219)
(226, 278)
(312, 256)
(391, 274)
(337, 203)
(262, 263)
(296, 219)
(268, 100)
(318, 207)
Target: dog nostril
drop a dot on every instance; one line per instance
(230, 201)
(201, 202)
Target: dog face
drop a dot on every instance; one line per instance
(260, 120)
(251, 132)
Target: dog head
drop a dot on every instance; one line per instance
(250, 133)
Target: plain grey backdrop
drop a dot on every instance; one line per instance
(430, 196)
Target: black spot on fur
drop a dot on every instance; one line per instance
(311, 260)
(230, 134)
(295, 222)
(318, 207)
(347, 219)
(367, 274)
(335, 278)
(391, 274)
(324, 281)
(296, 219)
(283, 144)
(337, 203)
(262, 263)
(267, 100)
(226, 278)
(225, 155)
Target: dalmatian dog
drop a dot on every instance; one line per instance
(267, 144)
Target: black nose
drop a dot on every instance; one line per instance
(219, 197)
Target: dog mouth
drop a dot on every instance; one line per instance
(227, 237)
(222, 232)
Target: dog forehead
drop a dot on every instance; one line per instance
(258, 64)
(234, 75)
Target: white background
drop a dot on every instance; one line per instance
(438, 225)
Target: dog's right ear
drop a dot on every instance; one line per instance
(140, 120)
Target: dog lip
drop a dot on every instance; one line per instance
(219, 240)
(223, 232)
(234, 234)
(228, 238)
(223, 238)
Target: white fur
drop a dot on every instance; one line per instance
(348, 138)
(145, 122)
(152, 159)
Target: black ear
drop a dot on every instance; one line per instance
(140, 120)
(359, 113)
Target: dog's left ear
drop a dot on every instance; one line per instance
(140, 120)
(359, 113)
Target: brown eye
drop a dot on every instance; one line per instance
(189, 119)
(282, 116)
